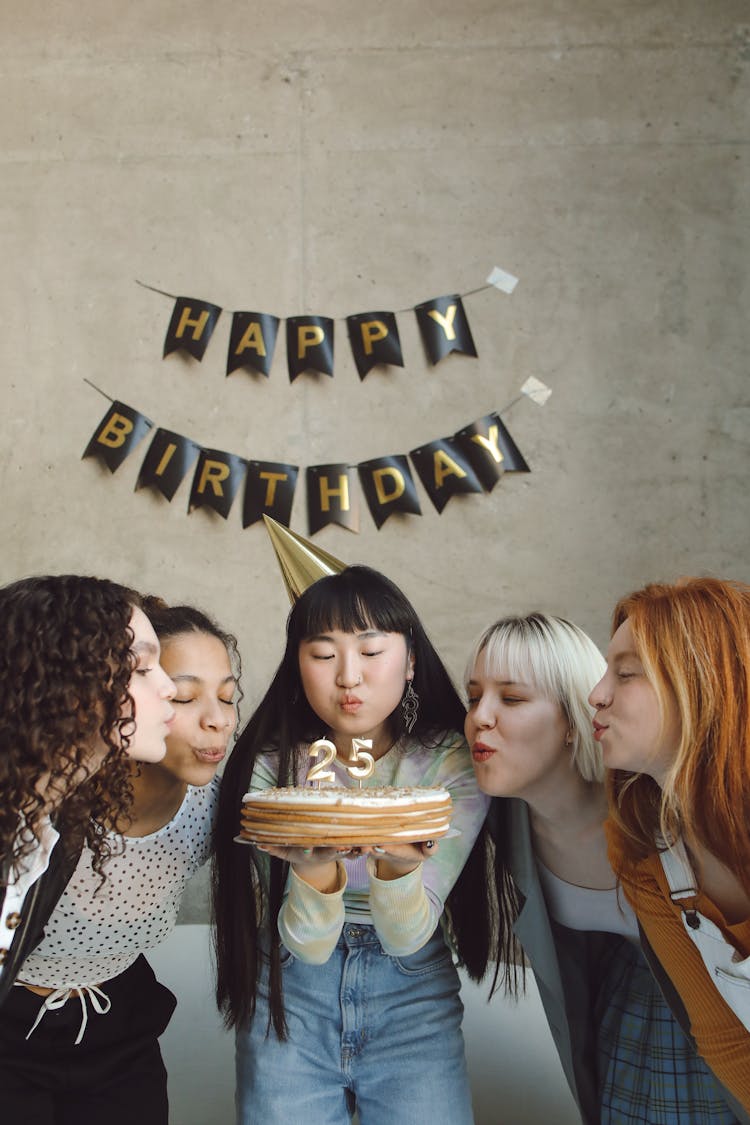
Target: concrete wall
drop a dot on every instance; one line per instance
(332, 157)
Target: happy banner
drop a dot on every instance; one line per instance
(471, 460)
(373, 336)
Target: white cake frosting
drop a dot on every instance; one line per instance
(353, 798)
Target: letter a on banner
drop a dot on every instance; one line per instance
(168, 461)
(117, 435)
(388, 487)
(444, 327)
(269, 491)
(191, 326)
(330, 497)
(252, 341)
(309, 345)
(444, 471)
(374, 339)
(216, 480)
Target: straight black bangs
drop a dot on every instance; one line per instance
(354, 601)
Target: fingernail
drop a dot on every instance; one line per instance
(430, 844)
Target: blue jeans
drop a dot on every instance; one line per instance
(366, 1029)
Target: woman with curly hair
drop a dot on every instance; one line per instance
(79, 660)
(673, 721)
(80, 1042)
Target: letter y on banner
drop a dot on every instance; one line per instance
(117, 435)
(444, 327)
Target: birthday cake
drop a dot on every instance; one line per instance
(337, 817)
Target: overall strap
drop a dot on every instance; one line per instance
(679, 874)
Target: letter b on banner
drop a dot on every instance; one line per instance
(117, 435)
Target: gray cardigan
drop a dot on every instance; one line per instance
(566, 965)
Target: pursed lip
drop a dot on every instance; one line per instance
(211, 757)
(480, 752)
(170, 717)
(350, 703)
(599, 729)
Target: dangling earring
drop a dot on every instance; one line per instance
(410, 706)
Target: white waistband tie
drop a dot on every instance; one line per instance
(99, 1001)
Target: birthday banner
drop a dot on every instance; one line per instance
(373, 336)
(471, 460)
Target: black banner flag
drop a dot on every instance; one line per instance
(191, 326)
(117, 435)
(252, 341)
(309, 345)
(444, 327)
(217, 477)
(388, 487)
(330, 497)
(444, 471)
(374, 339)
(269, 490)
(168, 461)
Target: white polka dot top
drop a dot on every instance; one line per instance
(96, 932)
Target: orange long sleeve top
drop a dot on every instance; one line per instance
(721, 1039)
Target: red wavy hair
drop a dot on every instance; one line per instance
(693, 639)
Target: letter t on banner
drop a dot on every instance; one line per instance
(269, 491)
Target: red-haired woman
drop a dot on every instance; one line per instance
(673, 720)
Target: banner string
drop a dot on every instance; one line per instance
(101, 392)
(174, 297)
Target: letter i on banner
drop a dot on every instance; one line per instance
(374, 339)
(117, 435)
(444, 471)
(388, 487)
(168, 461)
(444, 327)
(330, 497)
(216, 480)
(269, 491)
(191, 327)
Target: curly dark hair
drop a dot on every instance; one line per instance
(65, 666)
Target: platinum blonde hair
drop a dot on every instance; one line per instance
(559, 660)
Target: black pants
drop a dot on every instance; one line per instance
(115, 1076)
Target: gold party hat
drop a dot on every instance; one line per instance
(301, 563)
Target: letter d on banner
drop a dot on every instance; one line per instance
(117, 435)
(389, 487)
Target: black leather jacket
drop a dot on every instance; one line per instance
(16, 944)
